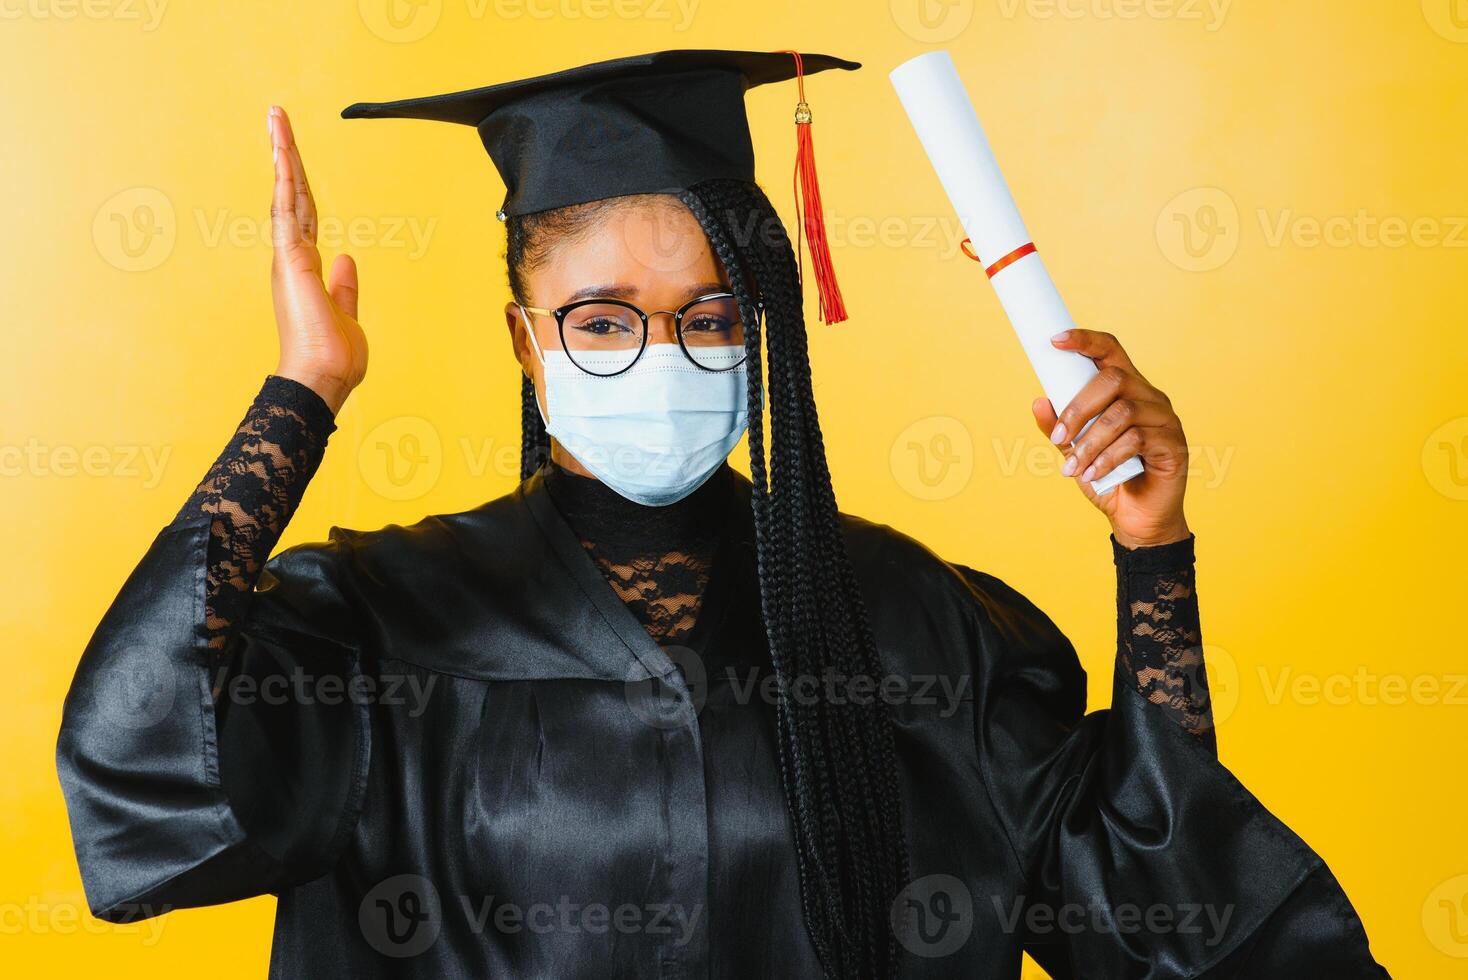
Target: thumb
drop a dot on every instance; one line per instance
(1045, 416)
(342, 285)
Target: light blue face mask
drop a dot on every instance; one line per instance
(657, 431)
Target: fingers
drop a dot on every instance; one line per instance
(1118, 418)
(1159, 447)
(293, 209)
(1100, 347)
(1130, 443)
(1127, 416)
(285, 230)
(1110, 384)
(343, 285)
(305, 202)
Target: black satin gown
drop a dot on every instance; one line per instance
(477, 763)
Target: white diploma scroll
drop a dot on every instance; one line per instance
(949, 129)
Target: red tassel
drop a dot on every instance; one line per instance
(810, 219)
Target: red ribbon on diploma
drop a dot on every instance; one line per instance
(1004, 263)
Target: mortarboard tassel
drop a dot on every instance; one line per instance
(810, 220)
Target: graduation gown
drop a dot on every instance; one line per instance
(476, 763)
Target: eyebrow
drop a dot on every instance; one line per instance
(616, 290)
(629, 291)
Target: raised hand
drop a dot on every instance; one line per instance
(321, 344)
(1135, 419)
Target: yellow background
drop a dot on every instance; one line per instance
(1170, 157)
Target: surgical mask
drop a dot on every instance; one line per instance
(655, 432)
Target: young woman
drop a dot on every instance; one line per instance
(643, 717)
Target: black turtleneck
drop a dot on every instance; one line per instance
(657, 559)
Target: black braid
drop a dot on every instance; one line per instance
(842, 785)
(534, 443)
(837, 761)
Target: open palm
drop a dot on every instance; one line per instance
(321, 343)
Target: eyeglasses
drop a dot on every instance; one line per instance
(606, 336)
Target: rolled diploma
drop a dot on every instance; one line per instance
(948, 127)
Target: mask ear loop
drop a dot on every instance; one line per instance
(530, 330)
(540, 356)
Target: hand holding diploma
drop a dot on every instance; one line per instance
(1111, 418)
(1132, 418)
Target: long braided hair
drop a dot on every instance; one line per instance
(837, 762)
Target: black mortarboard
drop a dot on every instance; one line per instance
(650, 123)
(645, 124)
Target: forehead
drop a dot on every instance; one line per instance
(652, 243)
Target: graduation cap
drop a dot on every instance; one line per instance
(651, 123)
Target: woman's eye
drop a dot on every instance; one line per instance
(601, 326)
(708, 324)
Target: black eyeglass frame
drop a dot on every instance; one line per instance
(561, 312)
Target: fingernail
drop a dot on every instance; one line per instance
(1090, 473)
(1057, 435)
(1070, 466)
(1060, 336)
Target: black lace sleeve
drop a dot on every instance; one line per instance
(178, 796)
(1159, 638)
(252, 490)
